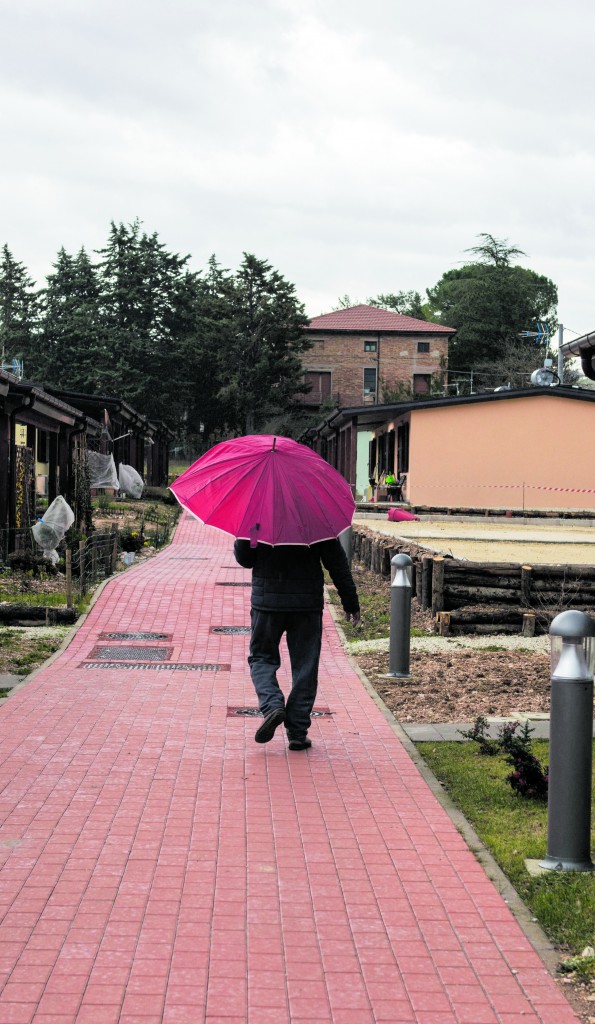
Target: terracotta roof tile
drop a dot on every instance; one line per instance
(370, 318)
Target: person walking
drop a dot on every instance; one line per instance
(288, 598)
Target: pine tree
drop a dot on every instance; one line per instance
(19, 310)
(71, 335)
(144, 313)
(259, 365)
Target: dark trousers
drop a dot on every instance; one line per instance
(304, 637)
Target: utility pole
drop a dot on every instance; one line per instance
(560, 353)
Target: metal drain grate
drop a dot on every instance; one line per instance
(177, 666)
(134, 636)
(231, 629)
(109, 653)
(233, 584)
(255, 713)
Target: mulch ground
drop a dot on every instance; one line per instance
(456, 685)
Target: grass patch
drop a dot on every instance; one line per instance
(513, 829)
(33, 599)
(375, 620)
(21, 652)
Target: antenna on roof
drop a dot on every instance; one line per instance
(15, 367)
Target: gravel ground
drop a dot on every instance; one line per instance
(495, 542)
(444, 643)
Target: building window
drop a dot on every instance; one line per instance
(370, 380)
(370, 346)
(422, 383)
(320, 385)
(423, 346)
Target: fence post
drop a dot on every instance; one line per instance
(93, 557)
(68, 578)
(426, 582)
(526, 578)
(114, 551)
(82, 567)
(400, 618)
(528, 628)
(437, 584)
(571, 744)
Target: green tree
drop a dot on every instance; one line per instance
(407, 303)
(345, 302)
(70, 341)
(205, 314)
(260, 368)
(148, 316)
(489, 302)
(19, 309)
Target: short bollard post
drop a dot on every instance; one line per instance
(400, 617)
(346, 542)
(571, 744)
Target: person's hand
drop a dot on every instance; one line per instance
(353, 618)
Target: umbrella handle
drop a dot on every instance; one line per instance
(253, 537)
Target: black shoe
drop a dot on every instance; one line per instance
(302, 744)
(266, 731)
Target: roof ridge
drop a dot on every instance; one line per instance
(374, 318)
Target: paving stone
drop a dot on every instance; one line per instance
(146, 836)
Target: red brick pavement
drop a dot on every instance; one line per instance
(156, 865)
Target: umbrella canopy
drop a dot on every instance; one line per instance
(267, 489)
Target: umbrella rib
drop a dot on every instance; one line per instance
(245, 476)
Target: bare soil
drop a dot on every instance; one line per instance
(457, 686)
(451, 684)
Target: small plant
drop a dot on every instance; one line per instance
(104, 503)
(528, 777)
(478, 733)
(583, 965)
(132, 540)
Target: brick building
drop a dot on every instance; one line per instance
(363, 353)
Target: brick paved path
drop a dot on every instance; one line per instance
(156, 865)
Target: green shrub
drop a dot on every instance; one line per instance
(131, 540)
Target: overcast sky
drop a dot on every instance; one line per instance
(360, 147)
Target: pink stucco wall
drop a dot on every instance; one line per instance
(504, 454)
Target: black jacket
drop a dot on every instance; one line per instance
(290, 577)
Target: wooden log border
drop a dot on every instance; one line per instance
(521, 598)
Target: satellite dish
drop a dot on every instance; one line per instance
(544, 377)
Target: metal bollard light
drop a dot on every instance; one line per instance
(346, 542)
(571, 744)
(400, 617)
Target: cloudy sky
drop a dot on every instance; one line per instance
(360, 147)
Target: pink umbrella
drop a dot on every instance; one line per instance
(267, 489)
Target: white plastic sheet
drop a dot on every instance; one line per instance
(50, 530)
(131, 482)
(102, 470)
